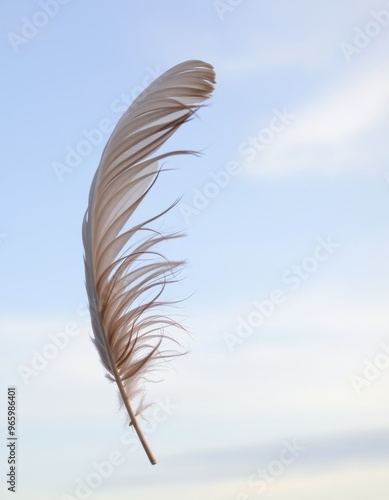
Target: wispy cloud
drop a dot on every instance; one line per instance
(226, 473)
(340, 130)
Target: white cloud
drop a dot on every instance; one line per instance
(324, 309)
(344, 129)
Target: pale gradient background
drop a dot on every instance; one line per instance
(323, 175)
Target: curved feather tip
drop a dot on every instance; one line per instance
(125, 278)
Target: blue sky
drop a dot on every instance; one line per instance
(312, 370)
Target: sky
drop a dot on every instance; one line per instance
(282, 395)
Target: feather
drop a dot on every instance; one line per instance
(124, 286)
